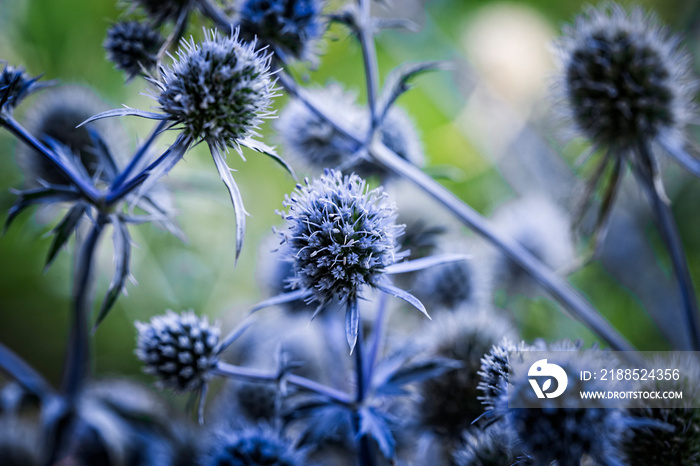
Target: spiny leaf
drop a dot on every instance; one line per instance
(236, 199)
(64, 229)
(125, 112)
(405, 295)
(122, 259)
(352, 324)
(374, 424)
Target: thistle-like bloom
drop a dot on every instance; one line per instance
(165, 10)
(449, 402)
(341, 236)
(550, 430)
(133, 46)
(219, 90)
(15, 85)
(252, 446)
(316, 145)
(677, 439)
(625, 77)
(291, 27)
(180, 349)
(447, 286)
(489, 447)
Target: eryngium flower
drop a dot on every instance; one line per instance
(677, 439)
(292, 27)
(55, 115)
(489, 447)
(449, 402)
(133, 46)
(312, 142)
(15, 85)
(550, 431)
(625, 77)
(258, 446)
(165, 10)
(180, 349)
(219, 90)
(341, 235)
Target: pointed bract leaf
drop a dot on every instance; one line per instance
(352, 323)
(281, 299)
(405, 295)
(23, 373)
(374, 424)
(423, 370)
(38, 196)
(686, 160)
(424, 263)
(127, 111)
(63, 230)
(238, 208)
(122, 259)
(270, 152)
(232, 336)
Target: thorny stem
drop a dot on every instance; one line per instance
(257, 375)
(558, 287)
(671, 236)
(22, 134)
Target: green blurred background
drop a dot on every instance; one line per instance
(506, 44)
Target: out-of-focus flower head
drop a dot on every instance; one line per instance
(252, 446)
(290, 27)
(133, 46)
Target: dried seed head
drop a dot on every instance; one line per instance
(179, 349)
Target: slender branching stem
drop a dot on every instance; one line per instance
(369, 58)
(548, 279)
(363, 445)
(671, 236)
(138, 156)
(86, 189)
(257, 375)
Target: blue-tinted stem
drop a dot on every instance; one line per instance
(549, 280)
(77, 362)
(377, 338)
(23, 373)
(136, 159)
(365, 457)
(257, 375)
(369, 58)
(671, 236)
(89, 191)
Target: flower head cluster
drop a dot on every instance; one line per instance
(15, 85)
(219, 90)
(489, 447)
(133, 46)
(314, 143)
(341, 236)
(256, 446)
(292, 27)
(625, 77)
(180, 349)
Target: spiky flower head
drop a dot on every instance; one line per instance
(315, 144)
(133, 46)
(449, 402)
(292, 27)
(625, 77)
(489, 447)
(218, 90)
(679, 442)
(551, 429)
(55, 115)
(341, 236)
(494, 372)
(253, 446)
(164, 10)
(179, 349)
(15, 85)
(447, 286)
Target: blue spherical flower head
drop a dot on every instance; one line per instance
(290, 27)
(180, 349)
(258, 446)
(219, 91)
(341, 236)
(625, 77)
(15, 85)
(133, 46)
